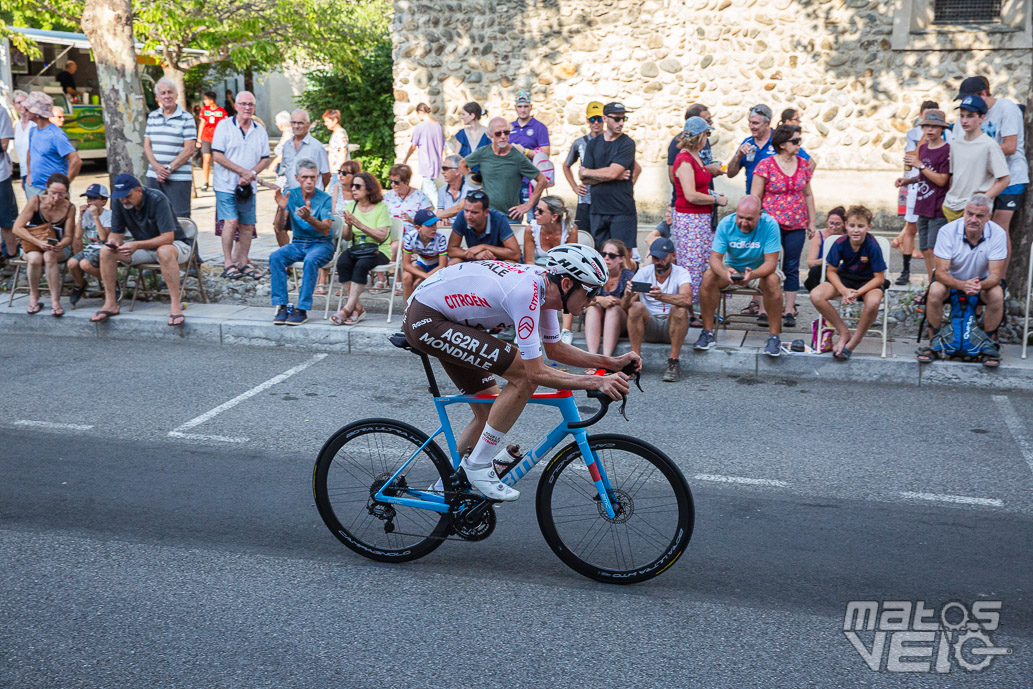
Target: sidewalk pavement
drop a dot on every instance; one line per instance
(738, 353)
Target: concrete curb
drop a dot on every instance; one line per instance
(320, 336)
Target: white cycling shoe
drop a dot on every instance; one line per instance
(484, 480)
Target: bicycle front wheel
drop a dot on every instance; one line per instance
(355, 464)
(653, 505)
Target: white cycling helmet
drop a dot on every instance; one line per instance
(578, 261)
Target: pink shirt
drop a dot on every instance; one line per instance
(784, 196)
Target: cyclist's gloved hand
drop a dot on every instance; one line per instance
(614, 386)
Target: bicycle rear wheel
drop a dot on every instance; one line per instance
(653, 502)
(354, 464)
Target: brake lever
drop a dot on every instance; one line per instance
(630, 371)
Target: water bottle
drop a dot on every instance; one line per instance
(752, 154)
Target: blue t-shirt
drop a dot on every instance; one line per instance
(760, 155)
(47, 150)
(321, 205)
(743, 250)
(863, 264)
(496, 232)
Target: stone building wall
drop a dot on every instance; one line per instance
(832, 59)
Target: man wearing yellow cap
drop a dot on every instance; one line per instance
(594, 115)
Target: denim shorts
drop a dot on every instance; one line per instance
(227, 207)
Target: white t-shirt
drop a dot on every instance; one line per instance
(969, 262)
(678, 277)
(21, 145)
(6, 132)
(90, 225)
(494, 294)
(243, 149)
(974, 165)
(1005, 119)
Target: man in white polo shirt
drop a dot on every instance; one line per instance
(169, 142)
(240, 149)
(660, 314)
(969, 257)
(301, 146)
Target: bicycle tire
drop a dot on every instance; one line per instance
(349, 467)
(581, 526)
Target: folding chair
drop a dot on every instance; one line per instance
(20, 263)
(734, 290)
(394, 268)
(884, 247)
(190, 230)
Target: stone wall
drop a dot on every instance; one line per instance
(832, 59)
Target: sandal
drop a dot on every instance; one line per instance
(56, 311)
(102, 316)
(752, 309)
(177, 319)
(844, 355)
(231, 273)
(926, 355)
(991, 360)
(355, 318)
(249, 271)
(34, 309)
(319, 291)
(338, 320)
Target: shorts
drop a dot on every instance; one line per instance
(31, 191)
(853, 282)
(178, 194)
(8, 205)
(206, 148)
(912, 195)
(469, 356)
(755, 282)
(657, 330)
(928, 228)
(952, 215)
(90, 254)
(227, 207)
(425, 267)
(151, 255)
(236, 232)
(583, 218)
(622, 227)
(1011, 198)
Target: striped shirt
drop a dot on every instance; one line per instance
(167, 135)
(427, 253)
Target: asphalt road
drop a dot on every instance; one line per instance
(132, 558)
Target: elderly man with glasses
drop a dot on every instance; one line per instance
(502, 169)
(303, 146)
(487, 233)
(452, 193)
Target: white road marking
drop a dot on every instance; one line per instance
(242, 397)
(49, 424)
(1015, 425)
(741, 479)
(202, 436)
(959, 499)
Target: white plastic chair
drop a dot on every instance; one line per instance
(392, 269)
(884, 247)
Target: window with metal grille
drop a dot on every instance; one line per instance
(966, 11)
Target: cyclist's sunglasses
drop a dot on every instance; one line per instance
(592, 292)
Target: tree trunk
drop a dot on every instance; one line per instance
(108, 24)
(249, 79)
(1021, 237)
(178, 78)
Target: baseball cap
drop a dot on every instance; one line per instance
(39, 103)
(972, 86)
(425, 216)
(762, 110)
(522, 97)
(96, 191)
(974, 104)
(661, 248)
(124, 184)
(614, 109)
(934, 118)
(594, 109)
(696, 125)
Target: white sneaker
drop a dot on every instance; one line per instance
(485, 481)
(438, 487)
(566, 337)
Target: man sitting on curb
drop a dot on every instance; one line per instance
(486, 231)
(311, 217)
(969, 257)
(147, 215)
(661, 313)
(744, 254)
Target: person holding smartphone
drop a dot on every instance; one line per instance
(45, 227)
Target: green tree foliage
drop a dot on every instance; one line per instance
(365, 98)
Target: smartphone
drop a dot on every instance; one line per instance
(737, 278)
(113, 247)
(640, 286)
(51, 241)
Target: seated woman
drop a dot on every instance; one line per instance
(856, 270)
(340, 194)
(551, 227)
(604, 315)
(834, 224)
(367, 225)
(46, 227)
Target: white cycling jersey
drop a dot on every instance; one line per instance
(494, 294)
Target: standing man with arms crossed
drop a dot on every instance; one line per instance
(608, 167)
(594, 115)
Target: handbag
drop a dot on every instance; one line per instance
(40, 232)
(361, 250)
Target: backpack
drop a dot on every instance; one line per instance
(960, 336)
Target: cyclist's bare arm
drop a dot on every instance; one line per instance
(539, 374)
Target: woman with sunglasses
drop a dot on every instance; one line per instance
(402, 202)
(605, 318)
(366, 222)
(783, 185)
(46, 227)
(550, 228)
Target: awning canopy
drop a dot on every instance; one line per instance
(76, 40)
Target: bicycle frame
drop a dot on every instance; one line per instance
(562, 400)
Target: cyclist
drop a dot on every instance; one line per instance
(448, 314)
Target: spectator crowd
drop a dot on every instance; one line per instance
(482, 193)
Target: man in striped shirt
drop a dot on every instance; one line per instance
(169, 142)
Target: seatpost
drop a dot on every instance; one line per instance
(433, 387)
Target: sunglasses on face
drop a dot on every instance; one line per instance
(617, 119)
(394, 182)
(595, 120)
(796, 141)
(358, 186)
(590, 291)
(540, 210)
(504, 132)
(448, 168)
(609, 254)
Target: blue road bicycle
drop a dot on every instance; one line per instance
(612, 507)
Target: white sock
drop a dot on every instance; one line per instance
(486, 448)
